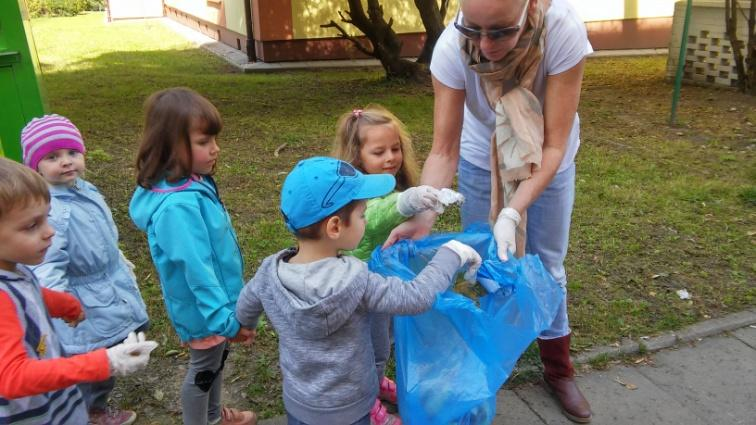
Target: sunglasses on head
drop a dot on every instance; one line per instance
(492, 34)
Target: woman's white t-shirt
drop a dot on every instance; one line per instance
(566, 45)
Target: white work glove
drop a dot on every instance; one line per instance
(468, 256)
(504, 232)
(131, 355)
(450, 197)
(418, 199)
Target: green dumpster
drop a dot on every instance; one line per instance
(20, 93)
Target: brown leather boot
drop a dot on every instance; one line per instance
(559, 377)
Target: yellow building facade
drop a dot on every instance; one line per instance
(291, 29)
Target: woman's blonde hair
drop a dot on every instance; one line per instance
(166, 151)
(20, 187)
(347, 144)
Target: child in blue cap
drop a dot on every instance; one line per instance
(318, 301)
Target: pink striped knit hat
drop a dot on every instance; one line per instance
(46, 134)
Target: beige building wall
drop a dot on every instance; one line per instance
(206, 10)
(234, 11)
(130, 9)
(308, 15)
(286, 30)
(609, 10)
(708, 52)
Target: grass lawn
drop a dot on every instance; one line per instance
(658, 208)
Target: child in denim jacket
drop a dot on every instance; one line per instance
(84, 259)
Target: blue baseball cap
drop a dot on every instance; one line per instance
(318, 187)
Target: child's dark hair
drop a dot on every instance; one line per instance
(165, 151)
(315, 231)
(20, 186)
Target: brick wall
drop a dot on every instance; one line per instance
(708, 57)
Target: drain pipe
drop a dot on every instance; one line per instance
(251, 56)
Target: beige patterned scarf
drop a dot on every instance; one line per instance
(517, 142)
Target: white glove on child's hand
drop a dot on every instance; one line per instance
(131, 355)
(418, 199)
(450, 197)
(468, 256)
(504, 232)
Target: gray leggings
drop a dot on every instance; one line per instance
(201, 391)
(96, 393)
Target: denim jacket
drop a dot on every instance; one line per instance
(85, 260)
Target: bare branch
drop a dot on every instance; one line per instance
(343, 19)
(361, 47)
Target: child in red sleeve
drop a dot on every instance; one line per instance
(37, 384)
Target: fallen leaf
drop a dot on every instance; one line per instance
(625, 384)
(278, 149)
(171, 353)
(158, 395)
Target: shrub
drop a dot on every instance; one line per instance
(39, 8)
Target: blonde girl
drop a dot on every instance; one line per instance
(376, 142)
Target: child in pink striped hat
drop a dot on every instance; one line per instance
(84, 259)
(56, 140)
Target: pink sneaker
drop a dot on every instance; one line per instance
(111, 416)
(387, 390)
(380, 416)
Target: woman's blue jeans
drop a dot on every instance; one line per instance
(548, 224)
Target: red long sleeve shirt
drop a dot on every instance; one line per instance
(22, 375)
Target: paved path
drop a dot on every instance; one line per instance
(707, 376)
(712, 381)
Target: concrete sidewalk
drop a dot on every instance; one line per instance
(704, 374)
(712, 381)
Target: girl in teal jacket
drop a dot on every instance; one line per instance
(193, 245)
(376, 142)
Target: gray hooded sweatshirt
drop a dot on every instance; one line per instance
(320, 312)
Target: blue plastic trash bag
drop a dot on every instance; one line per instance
(451, 360)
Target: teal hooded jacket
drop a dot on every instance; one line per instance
(196, 253)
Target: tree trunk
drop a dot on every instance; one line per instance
(745, 65)
(751, 55)
(433, 21)
(385, 45)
